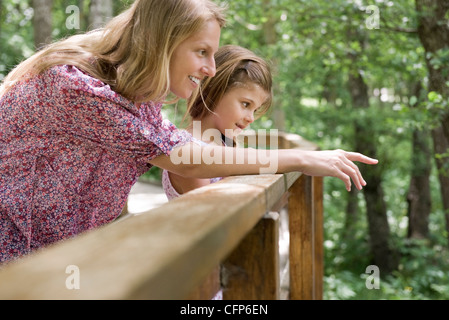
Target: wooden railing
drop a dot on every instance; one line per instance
(224, 233)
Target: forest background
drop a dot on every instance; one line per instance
(369, 76)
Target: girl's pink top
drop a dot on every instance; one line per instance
(70, 150)
(169, 190)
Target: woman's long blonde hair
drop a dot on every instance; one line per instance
(132, 52)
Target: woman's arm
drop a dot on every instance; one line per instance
(195, 161)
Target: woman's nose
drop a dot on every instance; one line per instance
(209, 70)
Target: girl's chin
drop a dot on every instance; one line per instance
(237, 132)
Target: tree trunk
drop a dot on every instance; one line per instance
(418, 197)
(433, 31)
(379, 231)
(351, 218)
(441, 145)
(101, 11)
(271, 38)
(42, 22)
(83, 16)
(1, 16)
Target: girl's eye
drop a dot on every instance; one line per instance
(245, 104)
(202, 52)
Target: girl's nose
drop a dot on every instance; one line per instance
(249, 117)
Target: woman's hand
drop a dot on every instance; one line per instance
(336, 163)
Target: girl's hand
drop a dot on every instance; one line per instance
(337, 163)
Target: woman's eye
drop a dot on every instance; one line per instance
(245, 104)
(202, 52)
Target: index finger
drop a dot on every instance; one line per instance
(355, 156)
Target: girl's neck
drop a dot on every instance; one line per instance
(200, 134)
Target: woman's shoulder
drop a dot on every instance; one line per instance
(70, 77)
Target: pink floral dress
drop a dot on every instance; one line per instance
(70, 150)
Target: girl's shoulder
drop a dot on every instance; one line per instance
(199, 142)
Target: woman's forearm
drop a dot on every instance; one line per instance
(215, 161)
(192, 160)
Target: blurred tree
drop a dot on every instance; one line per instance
(1, 16)
(379, 231)
(100, 12)
(418, 197)
(42, 22)
(401, 25)
(433, 31)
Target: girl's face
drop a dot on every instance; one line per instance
(194, 59)
(235, 111)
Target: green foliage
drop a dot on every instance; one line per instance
(16, 40)
(423, 274)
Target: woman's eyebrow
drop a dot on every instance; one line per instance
(205, 45)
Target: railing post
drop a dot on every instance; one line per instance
(209, 288)
(319, 236)
(251, 272)
(306, 238)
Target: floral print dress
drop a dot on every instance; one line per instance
(70, 150)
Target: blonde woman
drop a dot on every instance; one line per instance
(81, 120)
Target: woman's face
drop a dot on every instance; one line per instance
(193, 60)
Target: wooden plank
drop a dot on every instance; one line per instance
(290, 178)
(251, 272)
(297, 142)
(281, 203)
(161, 254)
(209, 288)
(281, 140)
(319, 236)
(300, 210)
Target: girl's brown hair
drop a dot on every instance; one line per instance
(236, 66)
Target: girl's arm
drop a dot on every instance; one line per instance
(184, 184)
(191, 160)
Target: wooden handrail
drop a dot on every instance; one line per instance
(167, 252)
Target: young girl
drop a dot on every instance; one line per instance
(81, 120)
(230, 101)
(239, 91)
